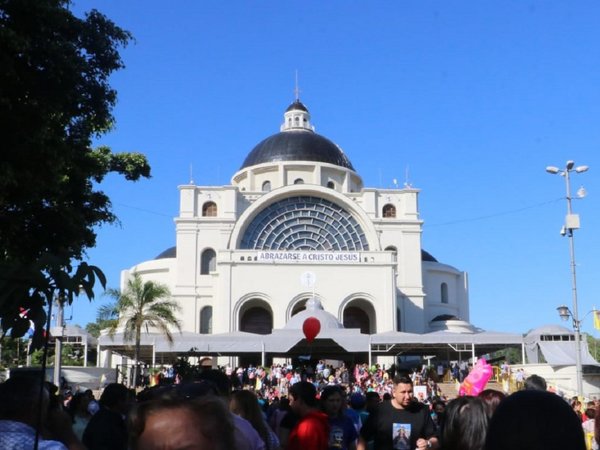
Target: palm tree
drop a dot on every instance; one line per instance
(143, 304)
(106, 316)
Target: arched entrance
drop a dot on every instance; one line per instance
(356, 318)
(255, 317)
(257, 320)
(359, 313)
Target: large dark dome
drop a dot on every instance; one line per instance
(297, 146)
(171, 252)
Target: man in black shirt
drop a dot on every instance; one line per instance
(401, 423)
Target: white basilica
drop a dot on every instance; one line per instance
(295, 236)
(295, 223)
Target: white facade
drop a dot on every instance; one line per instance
(295, 222)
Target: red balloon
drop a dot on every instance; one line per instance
(311, 328)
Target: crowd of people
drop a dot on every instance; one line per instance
(320, 408)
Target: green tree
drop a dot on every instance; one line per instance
(14, 352)
(55, 99)
(593, 346)
(106, 317)
(143, 304)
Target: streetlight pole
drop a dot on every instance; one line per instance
(572, 223)
(58, 338)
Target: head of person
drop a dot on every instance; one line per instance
(284, 404)
(535, 383)
(201, 423)
(372, 399)
(439, 407)
(79, 404)
(116, 397)
(402, 395)
(218, 378)
(358, 401)
(465, 424)
(303, 397)
(22, 399)
(332, 400)
(535, 420)
(491, 398)
(245, 404)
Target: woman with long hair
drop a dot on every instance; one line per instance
(491, 398)
(78, 409)
(245, 404)
(342, 432)
(465, 424)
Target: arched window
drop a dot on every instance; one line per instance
(209, 209)
(208, 261)
(331, 185)
(389, 211)
(298, 181)
(206, 320)
(304, 223)
(256, 320)
(266, 186)
(444, 292)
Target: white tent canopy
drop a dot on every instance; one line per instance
(556, 344)
(330, 341)
(448, 337)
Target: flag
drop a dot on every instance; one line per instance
(30, 331)
(597, 320)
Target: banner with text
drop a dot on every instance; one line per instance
(309, 257)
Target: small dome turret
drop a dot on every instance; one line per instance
(314, 308)
(297, 141)
(296, 117)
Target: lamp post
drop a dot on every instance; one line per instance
(572, 223)
(59, 332)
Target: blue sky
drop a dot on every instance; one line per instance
(472, 99)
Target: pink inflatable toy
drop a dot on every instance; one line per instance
(477, 379)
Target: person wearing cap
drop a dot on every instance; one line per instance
(312, 430)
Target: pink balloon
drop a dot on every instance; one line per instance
(311, 328)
